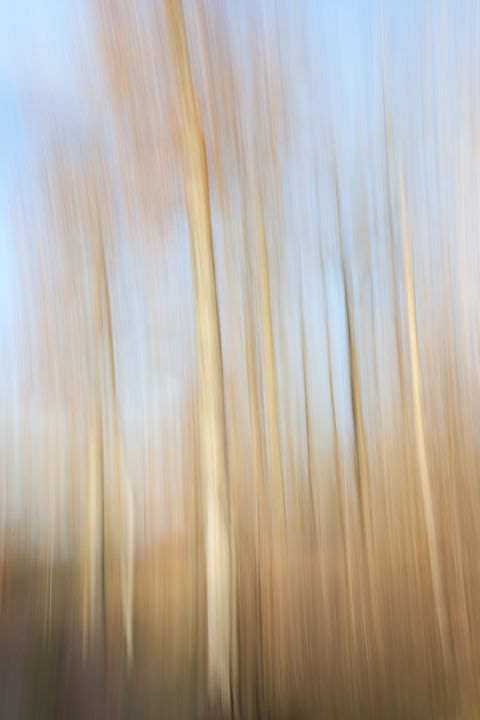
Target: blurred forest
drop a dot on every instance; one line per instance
(239, 469)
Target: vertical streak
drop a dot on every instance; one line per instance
(211, 395)
(426, 488)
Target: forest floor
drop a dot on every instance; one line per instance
(44, 674)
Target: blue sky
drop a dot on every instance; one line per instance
(46, 60)
(45, 52)
(41, 42)
(34, 73)
(39, 79)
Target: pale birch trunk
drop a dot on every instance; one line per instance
(211, 402)
(307, 411)
(94, 578)
(273, 431)
(124, 503)
(259, 476)
(94, 591)
(419, 431)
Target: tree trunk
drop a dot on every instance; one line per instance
(273, 431)
(421, 450)
(361, 471)
(211, 401)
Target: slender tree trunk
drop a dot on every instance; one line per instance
(361, 469)
(124, 510)
(211, 400)
(360, 451)
(343, 517)
(307, 410)
(421, 450)
(273, 432)
(96, 486)
(96, 528)
(262, 529)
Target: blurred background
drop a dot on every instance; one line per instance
(239, 359)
